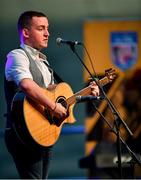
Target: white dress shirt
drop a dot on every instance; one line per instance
(17, 65)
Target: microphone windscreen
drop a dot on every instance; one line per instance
(58, 41)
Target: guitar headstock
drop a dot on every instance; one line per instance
(110, 74)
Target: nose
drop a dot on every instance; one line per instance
(47, 32)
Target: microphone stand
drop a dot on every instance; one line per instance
(120, 140)
(117, 122)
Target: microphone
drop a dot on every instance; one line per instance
(88, 98)
(62, 41)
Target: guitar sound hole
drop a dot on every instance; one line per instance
(54, 120)
(62, 100)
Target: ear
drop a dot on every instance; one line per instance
(25, 32)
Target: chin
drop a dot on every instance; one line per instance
(42, 47)
(45, 46)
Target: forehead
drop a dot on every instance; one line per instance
(38, 21)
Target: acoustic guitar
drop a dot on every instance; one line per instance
(33, 122)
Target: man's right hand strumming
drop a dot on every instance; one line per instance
(59, 111)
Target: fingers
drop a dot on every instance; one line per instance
(60, 111)
(94, 89)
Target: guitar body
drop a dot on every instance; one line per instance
(32, 121)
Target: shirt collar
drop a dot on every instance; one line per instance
(34, 52)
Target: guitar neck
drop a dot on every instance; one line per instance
(86, 91)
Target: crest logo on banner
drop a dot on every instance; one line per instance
(124, 49)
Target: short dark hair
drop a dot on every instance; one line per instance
(25, 19)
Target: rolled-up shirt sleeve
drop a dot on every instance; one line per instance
(17, 66)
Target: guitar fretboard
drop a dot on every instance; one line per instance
(86, 91)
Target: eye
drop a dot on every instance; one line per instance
(40, 28)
